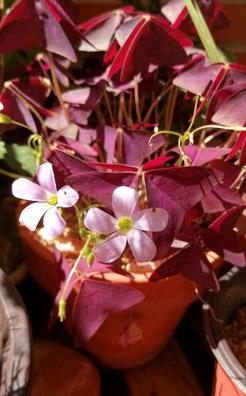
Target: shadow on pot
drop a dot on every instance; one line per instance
(220, 309)
(15, 342)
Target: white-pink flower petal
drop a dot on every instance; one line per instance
(142, 246)
(111, 249)
(99, 221)
(32, 214)
(67, 197)
(150, 219)
(54, 224)
(26, 189)
(46, 178)
(124, 201)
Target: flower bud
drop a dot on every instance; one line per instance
(4, 119)
(90, 259)
(82, 232)
(62, 309)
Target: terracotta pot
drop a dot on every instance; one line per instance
(149, 325)
(15, 342)
(230, 377)
(61, 371)
(223, 384)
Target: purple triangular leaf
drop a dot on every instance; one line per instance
(192, 264)
(81, 149)
(76, 96)
(139, 51)
(227, 170)
(156, 199)
(100, 35)
(201, 155)
(223, 107)
(95, 302)
(197, 77)
(224, 240)
(232, 111)
(220, 199)
(66, 165)
(176, 12)
(156, 163)
(20, 28)
(185, 186)
(136, 146)
(32, 24)
(99, 185)
(33, 90)
(177, 190)
(55, 39)
(239, 144)
(107, 139)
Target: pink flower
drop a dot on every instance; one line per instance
(47, 198)
(127, 226)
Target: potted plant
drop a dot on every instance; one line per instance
(140, 149)
(224, 320)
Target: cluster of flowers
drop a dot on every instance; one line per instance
(128, 225)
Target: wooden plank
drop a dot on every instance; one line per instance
(62, 371)
(167, 375)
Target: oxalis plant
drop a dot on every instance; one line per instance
(136, 135)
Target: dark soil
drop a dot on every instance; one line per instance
(235, 334)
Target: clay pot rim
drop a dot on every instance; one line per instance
(135, 277)
(218, 343)
(115, 277)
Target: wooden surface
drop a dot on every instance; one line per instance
(59, 370)
(167, 375)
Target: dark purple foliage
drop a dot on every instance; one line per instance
(197, 75)
(176, 12)
(100, 30)
(228, 106)
(138, 140)
(97, 119)
(221, 237)
(222, 197)
(13, 97)
(177, 190)
(66, 165)
(36, 24)
(202, 155)
(100, 185)
(192, 263)
(95, 302)
(139, 50)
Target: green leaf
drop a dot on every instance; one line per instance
(204, 33)
(21, 158)
(3, 149)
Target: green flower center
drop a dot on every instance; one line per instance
(124, 225)
(52, 199)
